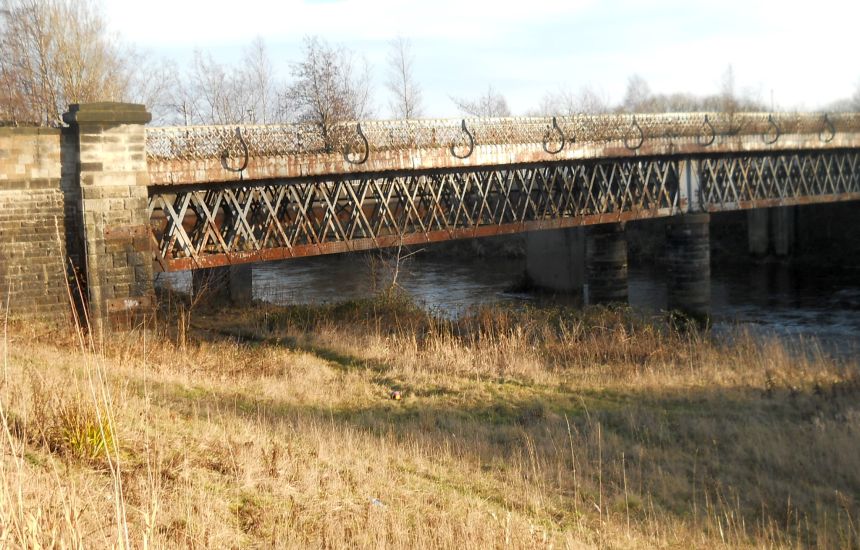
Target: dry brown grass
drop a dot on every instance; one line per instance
(274, 427)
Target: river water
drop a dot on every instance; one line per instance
(769, 299)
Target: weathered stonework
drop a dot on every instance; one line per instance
(111, 165)
(33, 224)
(555, 260)
(607, 264)
(689, 262)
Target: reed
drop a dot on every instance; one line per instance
(274, 426)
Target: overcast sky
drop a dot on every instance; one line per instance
(803, 53)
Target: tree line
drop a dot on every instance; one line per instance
(59, 52)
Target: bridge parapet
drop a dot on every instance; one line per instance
(200, 154)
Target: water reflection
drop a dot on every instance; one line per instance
(769, 299)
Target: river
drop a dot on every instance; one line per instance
(770, 299)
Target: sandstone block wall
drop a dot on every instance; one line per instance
(33, 232)
(75, 199)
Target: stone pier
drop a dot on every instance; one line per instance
(555, 259)
(758, 232)
(566, 260)
(113, 177)
(782, 228)
(771, 231)
(607, 264)
(689, 263)
(228, 284)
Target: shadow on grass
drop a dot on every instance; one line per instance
(752, 449)
(760, 458)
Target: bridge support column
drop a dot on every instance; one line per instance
(758, 231)
(782, 225)
(607, 264)
(555, 259)
(113, 178)
(771, 230)
(228, 284)
(689, 258)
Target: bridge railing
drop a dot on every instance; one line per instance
(357, 140)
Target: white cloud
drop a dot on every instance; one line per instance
(193, 22)
(803, 52)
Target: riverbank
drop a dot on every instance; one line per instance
(275, 426)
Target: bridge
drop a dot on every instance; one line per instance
(141, 199)
(225, 195)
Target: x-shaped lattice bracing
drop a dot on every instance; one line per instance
(729, 182)
(216, 225)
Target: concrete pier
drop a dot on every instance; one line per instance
(689, 262)
(607, 264)
(555, 259)
(228, 284)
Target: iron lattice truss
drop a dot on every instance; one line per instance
(204, 227)
(766, 180)
(193, 143)
(212, 225)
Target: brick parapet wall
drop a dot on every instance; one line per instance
(33, 212)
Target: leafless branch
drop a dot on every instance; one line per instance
(491, 104)
(406, 94)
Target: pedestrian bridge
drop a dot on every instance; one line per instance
(222, 195)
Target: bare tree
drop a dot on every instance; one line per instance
(154, 83)
(728, 99)
(259, 77)
(492, 104)
(637, 97)
(406, 100)
(181, 103)
(568, 103)
(216, 93)
(210, 92)
(854, 102)
(57, 52)
(328, 89)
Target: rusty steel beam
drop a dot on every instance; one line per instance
(357, 245)
(208, 225)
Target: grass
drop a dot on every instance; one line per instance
(275, 427)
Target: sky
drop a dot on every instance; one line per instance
(798, 55)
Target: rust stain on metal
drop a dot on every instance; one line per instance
(277, 216)
(192, 155)
(124, 232)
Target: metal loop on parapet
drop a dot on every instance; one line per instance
(713, 134)
(776, 130)
(546, 138)
(347, 148)
(471, 143)
(831, 130)
(225, 154)
(641, 137)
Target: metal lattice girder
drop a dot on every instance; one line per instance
(799, 177)
(210, 225)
